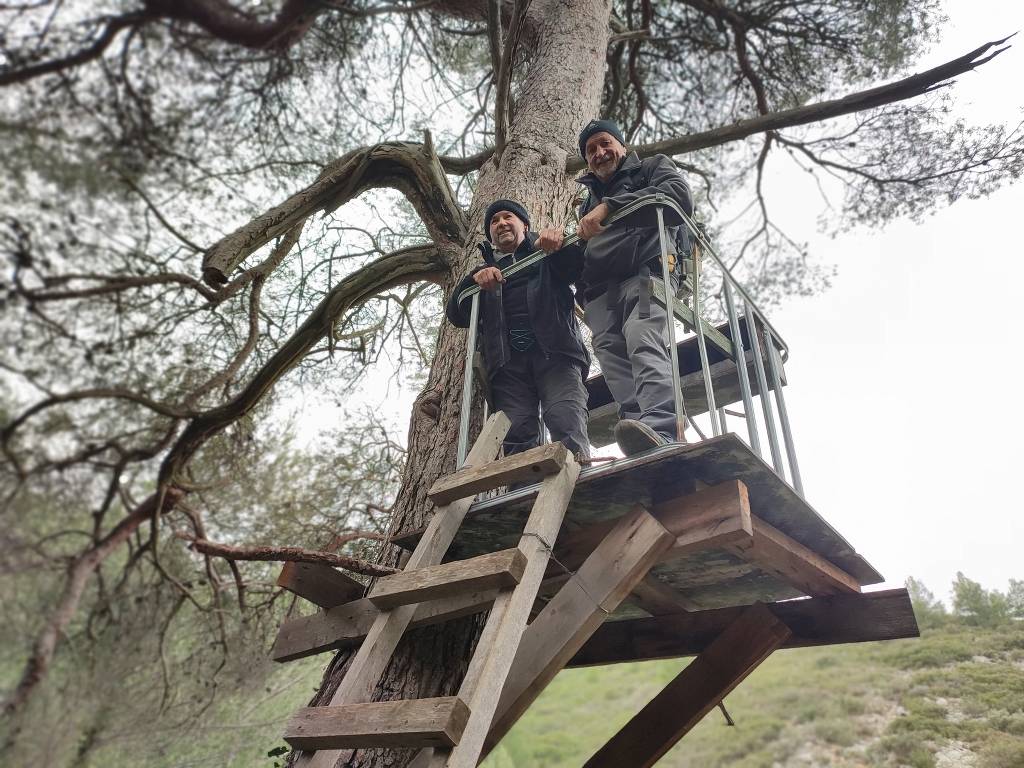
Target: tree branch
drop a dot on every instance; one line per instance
(909, 87)
(289, 555)
(411, 168)
(113, 26)
(408, 265)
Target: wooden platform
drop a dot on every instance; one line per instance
(683, 550)
(714, 577)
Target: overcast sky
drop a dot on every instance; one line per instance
(903, 375)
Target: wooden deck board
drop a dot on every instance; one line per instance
(709, 578)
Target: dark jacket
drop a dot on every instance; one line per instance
(548, 296)
(620, 252)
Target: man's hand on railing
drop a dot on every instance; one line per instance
(488, 278)
(590, 224)
(550, 239)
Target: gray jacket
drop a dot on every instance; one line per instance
(623, 251)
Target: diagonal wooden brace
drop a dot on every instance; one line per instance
(613, 569)
(694, 692)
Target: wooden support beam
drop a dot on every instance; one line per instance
(529, 466)
(659, 599)
(711, 517)
(850, 618)
(496, 570)
(320, 584)
(694, 692)
(412, 723)
(346, 625)
(806, 570)
(613, 569)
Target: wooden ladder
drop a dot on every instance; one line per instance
(451, 731)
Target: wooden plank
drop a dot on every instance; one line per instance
(806, 570)
(694, 692)
(659, 599)
(496, 570)
(529, 466)
(613, 569)
(849, 618)
(320, 584)
(412, 723)
(387, 629)
(346, 625)
(503, 632)
(707, 518)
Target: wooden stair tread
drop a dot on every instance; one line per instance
(491, 571)
(436, 722)
(529, 466)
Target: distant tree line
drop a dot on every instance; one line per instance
(973, 605)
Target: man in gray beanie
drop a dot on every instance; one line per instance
(532, 345)
(628, 329)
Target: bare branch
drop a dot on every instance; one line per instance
(290, 555)
(907, 88)
(410, 168)
(404, 266)
(110, 31)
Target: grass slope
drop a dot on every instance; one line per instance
(952, 699)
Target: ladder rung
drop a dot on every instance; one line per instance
(529, 466)
(492, 571)
(410, 723)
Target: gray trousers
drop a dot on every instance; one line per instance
(555, 384)
(634, 356)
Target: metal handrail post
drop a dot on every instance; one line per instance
(762, 384)
(670, 324)
(702, 348)
(741, 367)
(748, 302)
(467, 382)
(787, 433)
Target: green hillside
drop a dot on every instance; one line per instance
(952, 699)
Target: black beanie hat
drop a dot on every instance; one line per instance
(598, 126)
(504, 205)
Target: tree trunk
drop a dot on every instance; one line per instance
(560, 92)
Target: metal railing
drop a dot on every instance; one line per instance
(767, 349)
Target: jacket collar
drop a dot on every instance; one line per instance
(591, 181)
(527, 246)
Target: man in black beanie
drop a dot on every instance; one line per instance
(533, 350)
(628, 328)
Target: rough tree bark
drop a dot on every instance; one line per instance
(555, 100)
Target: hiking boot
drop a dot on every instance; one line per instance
(636, 437)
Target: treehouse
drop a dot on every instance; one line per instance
(706, 549)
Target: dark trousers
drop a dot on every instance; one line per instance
(555, 384)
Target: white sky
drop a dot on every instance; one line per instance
(902, 376)
(905, 425)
